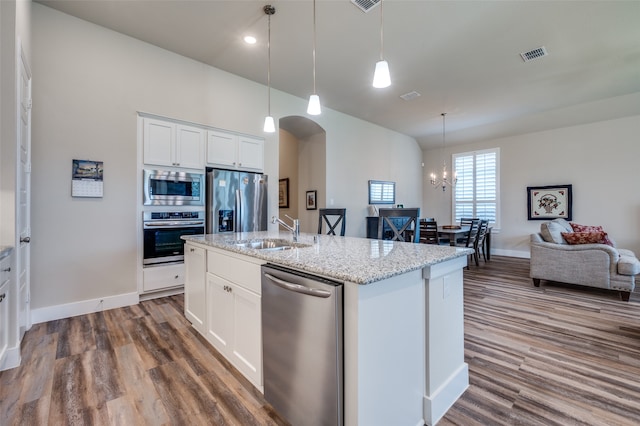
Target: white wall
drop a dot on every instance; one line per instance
(599, 159)
(312, 177)
(88, 84)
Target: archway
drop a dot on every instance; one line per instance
(302, 160)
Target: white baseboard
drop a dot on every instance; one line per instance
(511, 253)
(436, 405)
(12, 358)
(51, 313)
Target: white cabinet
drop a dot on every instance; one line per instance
(234, 322)
(5, 288)
(174, 145)
(195, 302)
(230, 150)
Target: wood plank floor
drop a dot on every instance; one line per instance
(553, 355)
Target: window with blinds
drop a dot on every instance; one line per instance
(476, 193)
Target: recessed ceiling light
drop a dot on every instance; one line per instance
(250, 39)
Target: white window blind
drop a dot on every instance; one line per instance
(476, 193)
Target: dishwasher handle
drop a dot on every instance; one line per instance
(298, 288)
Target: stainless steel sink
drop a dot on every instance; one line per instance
(270, 244)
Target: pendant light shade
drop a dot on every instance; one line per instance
(314, 100)
(314, 105)
(269, 124)
(381, 76)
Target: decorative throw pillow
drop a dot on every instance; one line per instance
(585, 237)
(551, 232)
(591, 228)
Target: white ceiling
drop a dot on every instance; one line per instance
(462, 56)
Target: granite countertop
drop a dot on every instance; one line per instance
(5, 251)
(358, 260)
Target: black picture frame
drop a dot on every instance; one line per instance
(549, 202)
(311, 200)
(283, 193)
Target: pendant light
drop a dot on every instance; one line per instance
(269, 124)
(314, 100)
(443, 180)
(381, 77)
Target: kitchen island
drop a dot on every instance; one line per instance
(403, 315)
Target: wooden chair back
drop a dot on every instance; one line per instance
(332, 218)
(429, 232)
(412, 217)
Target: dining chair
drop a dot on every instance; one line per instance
(466, 221)
(333, 218)
(467, 239)
(478, 243)
(411, 217)
(429, 232)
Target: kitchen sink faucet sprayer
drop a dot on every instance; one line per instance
(295, 229)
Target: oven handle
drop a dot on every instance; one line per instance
(174, 224)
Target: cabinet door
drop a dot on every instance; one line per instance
(222, 149)
(250, 153)
(219, 313)
(4, 319)
(159, 142)
(247, 343)
(189, 147)
(195, 302)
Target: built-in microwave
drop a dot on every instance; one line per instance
(171, 188)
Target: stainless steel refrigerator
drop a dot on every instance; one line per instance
(236, 201)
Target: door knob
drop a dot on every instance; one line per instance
(25, 240)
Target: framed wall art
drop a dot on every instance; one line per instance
(283, 193)
(311, 200)
(549, 202)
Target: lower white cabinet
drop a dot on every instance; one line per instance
(232, 310)
(5, 288)
(195, 301)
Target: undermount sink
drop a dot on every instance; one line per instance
(270, 244)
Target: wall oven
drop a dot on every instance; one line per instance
(162, 232)
(171, 188)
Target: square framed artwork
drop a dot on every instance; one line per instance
(549, 202)
(311, 200)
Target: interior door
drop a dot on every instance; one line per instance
(23, 225)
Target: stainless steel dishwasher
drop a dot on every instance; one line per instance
(302, 346)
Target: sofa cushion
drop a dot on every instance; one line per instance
(591, 228)
(584, 237)
(552, 231)
(628, 265)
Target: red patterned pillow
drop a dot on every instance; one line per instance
(591, 228)
(584, 237)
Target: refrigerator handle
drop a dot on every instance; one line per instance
(238, 212)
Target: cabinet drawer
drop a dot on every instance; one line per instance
(161, 277)
(236, 270)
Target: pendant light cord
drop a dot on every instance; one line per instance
(269, 64)
(314, 47)
(381, 31)
(444, 161)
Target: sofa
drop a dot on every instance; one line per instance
(589, 258)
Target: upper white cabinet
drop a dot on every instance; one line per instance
(174, 145)
(230, 150)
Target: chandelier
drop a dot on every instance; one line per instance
(444, 179)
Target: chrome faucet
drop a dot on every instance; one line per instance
(295, 228)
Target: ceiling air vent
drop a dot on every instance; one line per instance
(365, 5)
(411, 95)
(534, 54)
